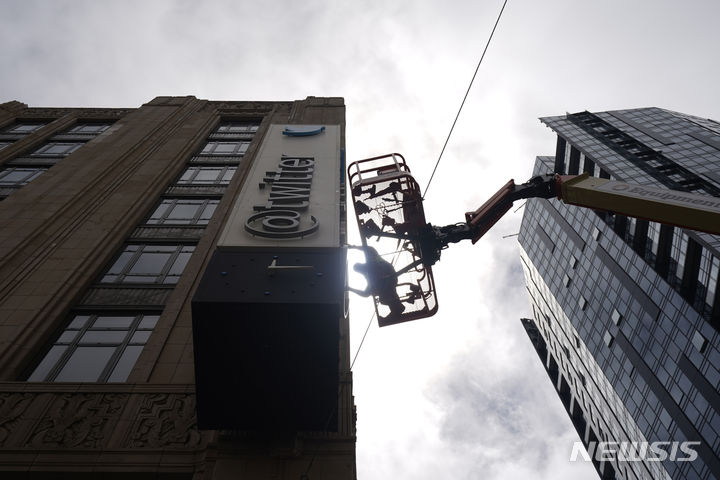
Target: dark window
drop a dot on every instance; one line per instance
(149, 264)
(57, 149)
(89, 128)
(574, 161)
(620, 225)
(178, 211)
(573, 262)
(19, 176)
(23, 128)
(207, 176)
(699, 341)
(662, 259)
(639, 235)
(678, 251)
(96, 348)
(712, 280)
(653, 237)
(693, 257)
(236, 127)
(560, 155)
(4, 144)
(225, 148)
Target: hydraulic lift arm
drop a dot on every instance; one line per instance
(682, 209)
(689, 210)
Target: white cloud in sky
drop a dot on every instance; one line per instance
(460, 395)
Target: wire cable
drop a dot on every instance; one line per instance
(465, 98)
(306, 474)
(367, 329)
(372, 317)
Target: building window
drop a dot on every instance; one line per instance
(234, 127)
(158, 264)
(178, 211)
(573, 161)
(582, 303)
(225, 148)
(19, 176)
(56, 149)
(678, 250)
(712, 280)
(653, 238)
(23, 128)
(699, 341)
(616, 317)
(609, 339)
(89, 128)
(632, 223)
(96, 348)
(207, 176)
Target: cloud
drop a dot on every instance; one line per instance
(460, 395)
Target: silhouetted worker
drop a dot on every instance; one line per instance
(381, 280)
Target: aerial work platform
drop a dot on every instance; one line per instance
(401, 247)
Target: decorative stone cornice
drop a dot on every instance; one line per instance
(89, 417)
(85, 113)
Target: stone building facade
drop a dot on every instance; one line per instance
(108, 220)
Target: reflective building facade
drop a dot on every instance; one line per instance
(110, 221)
(626, 312)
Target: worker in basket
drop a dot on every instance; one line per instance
(381, 280)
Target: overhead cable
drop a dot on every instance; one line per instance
(464, 98)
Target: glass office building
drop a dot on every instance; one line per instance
(626, 311)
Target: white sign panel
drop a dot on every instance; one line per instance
(291, 197)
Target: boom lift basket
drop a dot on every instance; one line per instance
(389, 210)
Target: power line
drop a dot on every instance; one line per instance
(306, 475)
(464, 98)
(372, 317)
(357, 352)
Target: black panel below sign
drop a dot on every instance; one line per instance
(266, 340)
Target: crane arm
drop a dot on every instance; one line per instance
(682, 209)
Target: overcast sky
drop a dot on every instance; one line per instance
(461, 395)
